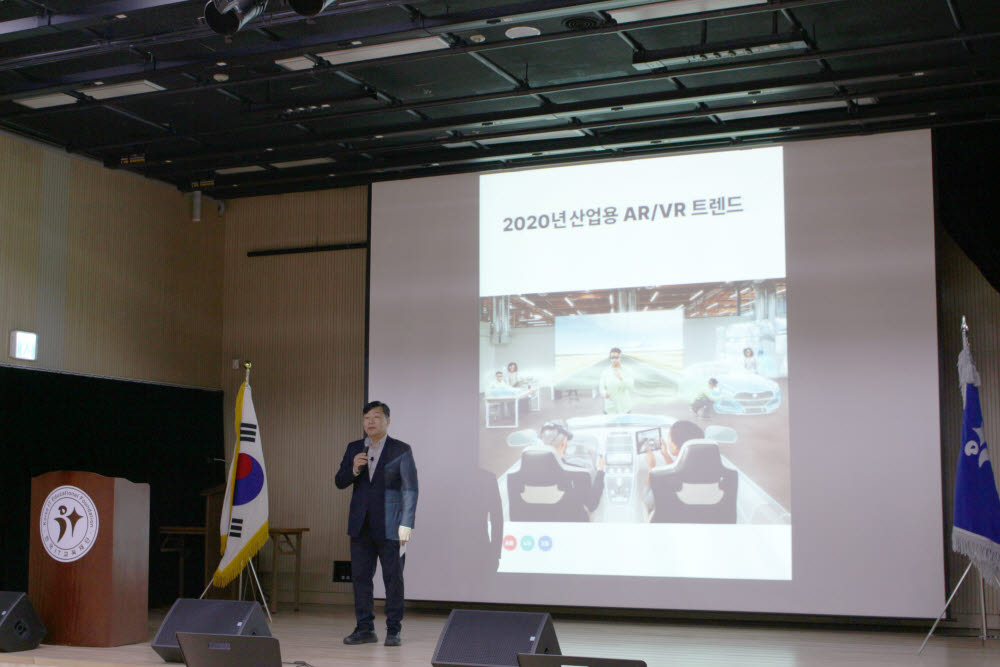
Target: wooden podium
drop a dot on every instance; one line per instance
(89, 558)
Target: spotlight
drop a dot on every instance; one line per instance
(309, 7)
(226, 17)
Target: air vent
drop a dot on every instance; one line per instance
(581, 23)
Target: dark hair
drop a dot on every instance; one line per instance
(514, 364)
(552, 429)
(615, 349)
(681, 431)
(713, 381)
(748, 349)
(376, 404)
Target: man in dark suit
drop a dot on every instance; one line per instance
(383, 508)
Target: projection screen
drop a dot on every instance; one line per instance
(543, 336)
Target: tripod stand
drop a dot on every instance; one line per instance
(982, 606)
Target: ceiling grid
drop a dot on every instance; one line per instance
(369, 90)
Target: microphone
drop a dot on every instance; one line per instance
(365, 466)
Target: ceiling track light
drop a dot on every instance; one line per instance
(675, 8)
(309, 7)
(226, 17)
(736, 51)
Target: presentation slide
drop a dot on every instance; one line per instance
(610, 331)
(703, 381)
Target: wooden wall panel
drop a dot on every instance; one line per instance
(962, 290)
(20, 212)
(108, 269)
(300, 320)
(144, 283)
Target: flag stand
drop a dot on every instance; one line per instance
(967, 486)
(246, 428)
(260, 590)
(982, 607)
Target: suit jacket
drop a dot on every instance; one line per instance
(389, 499)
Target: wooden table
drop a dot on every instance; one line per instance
(283, 546)
(173, 538)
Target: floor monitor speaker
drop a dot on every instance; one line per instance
(20, 627)
(209, 617)
(474, 638)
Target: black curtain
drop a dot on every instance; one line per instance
(966, 176)
(162, 435)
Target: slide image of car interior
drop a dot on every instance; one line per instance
(700, 486)
(576, 409)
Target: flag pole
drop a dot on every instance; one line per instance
(982, 605)
(982, 583)
(246, 378)
(253, 571)
(247, 432)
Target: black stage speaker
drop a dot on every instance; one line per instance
(20, 627)
(208, 617)
(487, 638)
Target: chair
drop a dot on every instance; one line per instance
(699, 488)
(544, 490)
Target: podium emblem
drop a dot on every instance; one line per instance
(69, 524)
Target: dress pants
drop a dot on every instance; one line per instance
(366, 551)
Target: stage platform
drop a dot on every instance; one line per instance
(313, 636)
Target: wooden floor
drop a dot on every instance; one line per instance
(314, 636)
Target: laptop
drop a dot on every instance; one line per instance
(552, 660)
(201, 650)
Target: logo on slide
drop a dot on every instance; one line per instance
(68, 524)
(509, 542)
(527, 543)
(544, 542)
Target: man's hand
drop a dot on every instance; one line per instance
(360, 460)
(404, 534)
(600, 462)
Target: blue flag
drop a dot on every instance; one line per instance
(976, 531)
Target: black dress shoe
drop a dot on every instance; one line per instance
(361, 637)
(393, 639)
